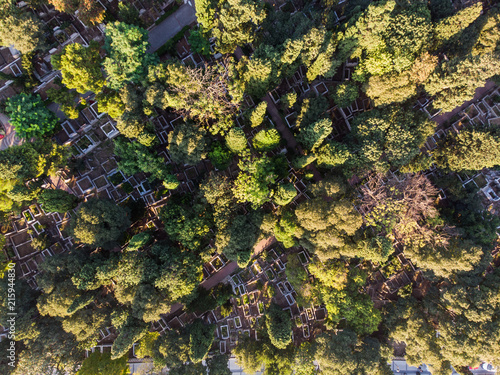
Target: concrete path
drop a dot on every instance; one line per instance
(10, 138)
(170, 26)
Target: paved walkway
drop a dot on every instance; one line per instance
(480, 92)
(170, 26)
(10, 138)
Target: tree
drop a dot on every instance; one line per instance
(197, 93)
(341, 352)
(257, 114)
(304, 359)
(284, 194)
(312, 136)
(285, 229)
(110, 102)
(391, 136)
(66, 100)
(266, 140)
(216, 190)
(147, 345)
(455, 82)
(187, 221)
(187, 144)
(127, 59)
(279, 326)
(332, 154)
(252, 182)
(199, 43)
(139, 241)
(80, 67)
(299, 279)
(404, 210)
(56, 200)
(99, 223)
(135, 157)
(387, 38)
(440, 9)
(218, 365)
(20, 29)
(289, 99)
(31, 160)
(201, 337)
(242, 234)
(129, 14)
(324, 226)
(205, 11)
(89, 12)
(345, 94)
(469, 150)
(236, 140)
(452, 25)
(130, 333)
(236, 23)
(487, 39)
(220, 156)
(29, 116)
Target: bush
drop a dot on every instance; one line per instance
(303, 161)
(139, 241)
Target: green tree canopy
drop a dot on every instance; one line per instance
(56, 200)
(472, 149)
(201, 337)
(391, 136)
(127, 59)
(135, 157)
(266, 140)
(279, 326)
(99, 223)
(80, 67)
(20, 29)
(236, 23)
(187, 144)
(29, 116)
(236, 140)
